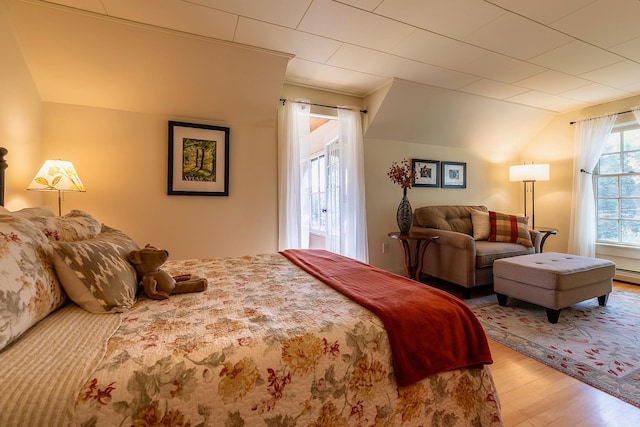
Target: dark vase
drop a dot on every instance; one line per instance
(405, 214)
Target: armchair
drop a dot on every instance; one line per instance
(456, 256)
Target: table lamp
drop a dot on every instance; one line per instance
(57, 175)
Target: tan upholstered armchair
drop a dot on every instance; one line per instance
(456, 256)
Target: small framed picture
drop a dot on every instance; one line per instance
(454, 175)
(198, 160)
(427, 173)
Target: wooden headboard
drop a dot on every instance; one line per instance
(3, 166)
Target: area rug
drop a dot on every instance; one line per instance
(597, 345)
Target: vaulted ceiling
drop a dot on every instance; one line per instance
(557, 55)
(450, 72)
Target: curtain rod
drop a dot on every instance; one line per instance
(283, 100)
(617, 114)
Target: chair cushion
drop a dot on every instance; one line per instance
(487, 252)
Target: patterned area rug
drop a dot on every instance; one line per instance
(597, 345)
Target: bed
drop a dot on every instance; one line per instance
(297, 338)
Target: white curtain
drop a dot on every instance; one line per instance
(636, 113)
(294, 195)
(353, 232)
(294, 204)
(590, 136)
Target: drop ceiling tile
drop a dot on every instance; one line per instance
(617, 75)
(536, 99)
(351, 25)
(90, 5)
(568, 105)
(604, 23)
(438, 50)
(368, 5)
(500, 68)
(632, 88)
(182, 16)
(553, 82)
(309, 73)
(281, 12)
(544, 11)
(268, 36)
(517, 37)
(386, 65)
(454, 18)
(594, 93)
(630, 49)
(576, 58)
(493, 89)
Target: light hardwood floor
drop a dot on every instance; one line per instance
(533, 394)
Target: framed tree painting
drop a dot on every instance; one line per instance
(427, 173)
(198, 160)
(454, 175)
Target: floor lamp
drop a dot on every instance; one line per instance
(57, 175)
(529, 174)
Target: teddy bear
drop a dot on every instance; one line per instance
(157, 283)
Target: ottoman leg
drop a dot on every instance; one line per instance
(602, 300)
(502, 300)
(553, 315)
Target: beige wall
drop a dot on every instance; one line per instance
(487, 184)
(20, 120)
(122, 159)
(555, 145)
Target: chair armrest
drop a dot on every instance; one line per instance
(536, 239)
(449, 238)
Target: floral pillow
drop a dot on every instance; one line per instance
(30, 289)
(74, 226)
(509, 228)
(96, 274)
(28, 212)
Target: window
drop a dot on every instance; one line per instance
(318, 200)
(617, 184)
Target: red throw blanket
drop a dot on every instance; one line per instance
(429, 330)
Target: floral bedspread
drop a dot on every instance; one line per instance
(267, 344)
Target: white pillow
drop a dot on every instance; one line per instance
(481, 225)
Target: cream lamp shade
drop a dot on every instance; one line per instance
(57, 175)
(532, 172)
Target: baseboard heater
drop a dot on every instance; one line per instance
(629, 276)
(627, 261)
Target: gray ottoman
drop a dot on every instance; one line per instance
(553, 280)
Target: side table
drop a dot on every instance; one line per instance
(546, 232)
(413, 268)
